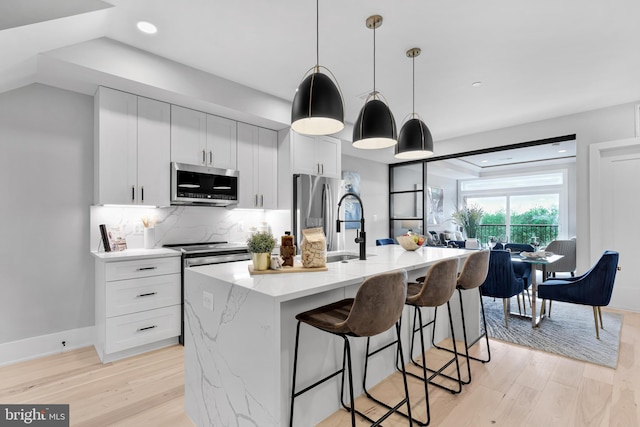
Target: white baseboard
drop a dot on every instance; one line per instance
(45, 345)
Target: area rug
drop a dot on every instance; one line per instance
(570, 331)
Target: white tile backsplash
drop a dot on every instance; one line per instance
(184, 224)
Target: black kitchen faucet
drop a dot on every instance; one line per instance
(362, 236)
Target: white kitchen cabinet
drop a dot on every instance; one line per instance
(138, 306)
(316, 155)
(302, 154)
(154, 148)
(132, 148)
(202, 139)
(221, 142)
(257, 167)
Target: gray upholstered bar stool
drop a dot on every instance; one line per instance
(473, 274)
(377, 306)
(434, 290)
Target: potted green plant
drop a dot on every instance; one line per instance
(261, 245)
(469, 219)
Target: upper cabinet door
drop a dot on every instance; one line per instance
(221, 142)
(188, 136)
(154, 151)
(316, 155)
(329, 156)
(267, 160)
(304, 160)
(116, 147)
(247, 140)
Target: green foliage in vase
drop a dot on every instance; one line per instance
(469, 218)
(261, 242)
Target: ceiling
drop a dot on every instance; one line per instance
(536, 60)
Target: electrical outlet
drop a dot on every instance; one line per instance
(207, 300)
(137, 229)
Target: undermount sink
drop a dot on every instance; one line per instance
(343, 256)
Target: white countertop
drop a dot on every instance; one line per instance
(288, 286)
(133, 254)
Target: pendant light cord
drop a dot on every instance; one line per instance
(374, 60)
(413, 101)
(317, 35)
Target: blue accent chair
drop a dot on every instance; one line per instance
(520, 268)
(381, 242)
(593, 288)
(501, 281)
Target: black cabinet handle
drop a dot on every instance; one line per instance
(147, 328)
(147, 294)
(146, 268)
(142, 194)
(133, 193)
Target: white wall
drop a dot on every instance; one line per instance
(46, 167)
(374, 192)
(450, 199)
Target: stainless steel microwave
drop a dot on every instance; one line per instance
(203, 186)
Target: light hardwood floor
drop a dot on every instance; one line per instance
(519, 387)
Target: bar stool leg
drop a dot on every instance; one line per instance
(295, 369)
(454, 359)
(468, 345)
(392, 409)
(347, 354)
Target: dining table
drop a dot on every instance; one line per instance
(534, 261)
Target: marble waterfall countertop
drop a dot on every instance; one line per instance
(240, 335)
(380, 259)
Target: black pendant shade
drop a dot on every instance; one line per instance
(317, 106)
(375, 127)
(415, 141)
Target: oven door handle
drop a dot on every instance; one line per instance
(206, 260)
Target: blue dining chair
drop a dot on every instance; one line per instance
(593, 288)
(522, 269)
(382, 242)
(501, 281)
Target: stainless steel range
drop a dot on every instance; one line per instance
(195, 254)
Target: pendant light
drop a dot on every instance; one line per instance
(415, 141)
(375, 127)
(317, 107)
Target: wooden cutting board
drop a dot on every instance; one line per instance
(297, 268)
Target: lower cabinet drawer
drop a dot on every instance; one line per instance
(123, 270)
(132, 330)
(147, 293)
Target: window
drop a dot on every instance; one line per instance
(523, 209)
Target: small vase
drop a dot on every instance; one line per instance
(261, 261)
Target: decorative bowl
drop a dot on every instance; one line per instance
(409, 243)
(536, 255)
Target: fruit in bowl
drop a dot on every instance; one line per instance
(411, 242)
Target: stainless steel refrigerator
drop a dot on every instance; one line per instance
(315, 204)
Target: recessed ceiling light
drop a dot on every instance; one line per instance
(562, 151)
(147, 27)
(476, 84)
(484, 161)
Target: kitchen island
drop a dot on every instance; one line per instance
(240, 333)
